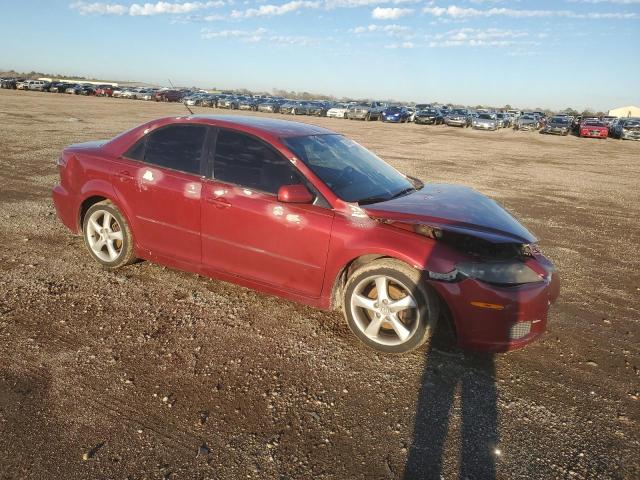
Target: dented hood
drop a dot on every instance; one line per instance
(454, 208)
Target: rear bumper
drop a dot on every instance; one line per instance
(65, 205)
(498, 319)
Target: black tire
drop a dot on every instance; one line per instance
(424, 318)
(125, 249)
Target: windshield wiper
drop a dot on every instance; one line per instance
(404, 192)
(369, 200)
(366, 201)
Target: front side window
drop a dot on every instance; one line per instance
(351, 171)
(178, 147)
(246, 161)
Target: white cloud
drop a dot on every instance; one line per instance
(159, 8)
(85, 8)
(331, 4)
(256, 36)
(389, 13)
(468, 34)
(247, 35)
(275, 10)
(392, 29)
(454, 11)
(617, 2)
(144, 9)
(401, 45)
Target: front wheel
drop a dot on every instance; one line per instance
(389, 307)
(107, 236)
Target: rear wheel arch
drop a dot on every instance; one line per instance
(86, 204)
(91, 200)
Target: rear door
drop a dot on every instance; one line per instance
(160, 182)
(247, 232)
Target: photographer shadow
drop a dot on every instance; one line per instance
(446, 376)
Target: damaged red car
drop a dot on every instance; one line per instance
(301, 212)
(594, 129)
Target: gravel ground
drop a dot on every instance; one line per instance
(152, 373)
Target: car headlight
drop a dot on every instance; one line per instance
(503, 273)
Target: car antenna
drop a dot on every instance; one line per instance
(185, 105)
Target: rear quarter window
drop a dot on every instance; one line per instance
(178, 147)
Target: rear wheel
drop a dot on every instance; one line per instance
(389, 307)
(107, 235)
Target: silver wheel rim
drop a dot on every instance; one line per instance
(104, 235)
(384, 310)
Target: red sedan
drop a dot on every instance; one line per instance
(307, 214)
(594, 129)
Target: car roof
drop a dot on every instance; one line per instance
(272, 126)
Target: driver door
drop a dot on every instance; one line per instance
(247, 232)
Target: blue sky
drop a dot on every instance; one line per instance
(550, 54)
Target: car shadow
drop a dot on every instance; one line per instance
(457, 400)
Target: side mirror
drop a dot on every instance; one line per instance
(294, 194)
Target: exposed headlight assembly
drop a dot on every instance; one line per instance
(502, 273)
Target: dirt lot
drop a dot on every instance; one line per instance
(151, 373)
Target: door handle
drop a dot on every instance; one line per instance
(219, 202)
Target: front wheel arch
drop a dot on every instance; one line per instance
(423, 312)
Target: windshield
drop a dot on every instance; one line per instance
(559, 121)
(351, 171)
(485, 116)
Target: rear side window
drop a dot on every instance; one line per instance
(246, 161)
(178, 147)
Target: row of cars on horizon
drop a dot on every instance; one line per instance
(420, 114)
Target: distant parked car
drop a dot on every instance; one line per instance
(429, 116)
(168, 96)
(594, 129)
(366, 111)
(627, 129)
(58, 87)
(294, 108)
(39, 85)
(395, 115)
(457, 118)
(608, 119)
(229, 102)
(85, 90)
(247, 103)
(271, 106)
(412, 113)
(10, 83)
(339, 110)
(317, 109)
(527, 122)
(104, 91)
(557, 125)
(504, 120)
(485, 121)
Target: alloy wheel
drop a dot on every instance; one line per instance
(385, 310)
(104, 235)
